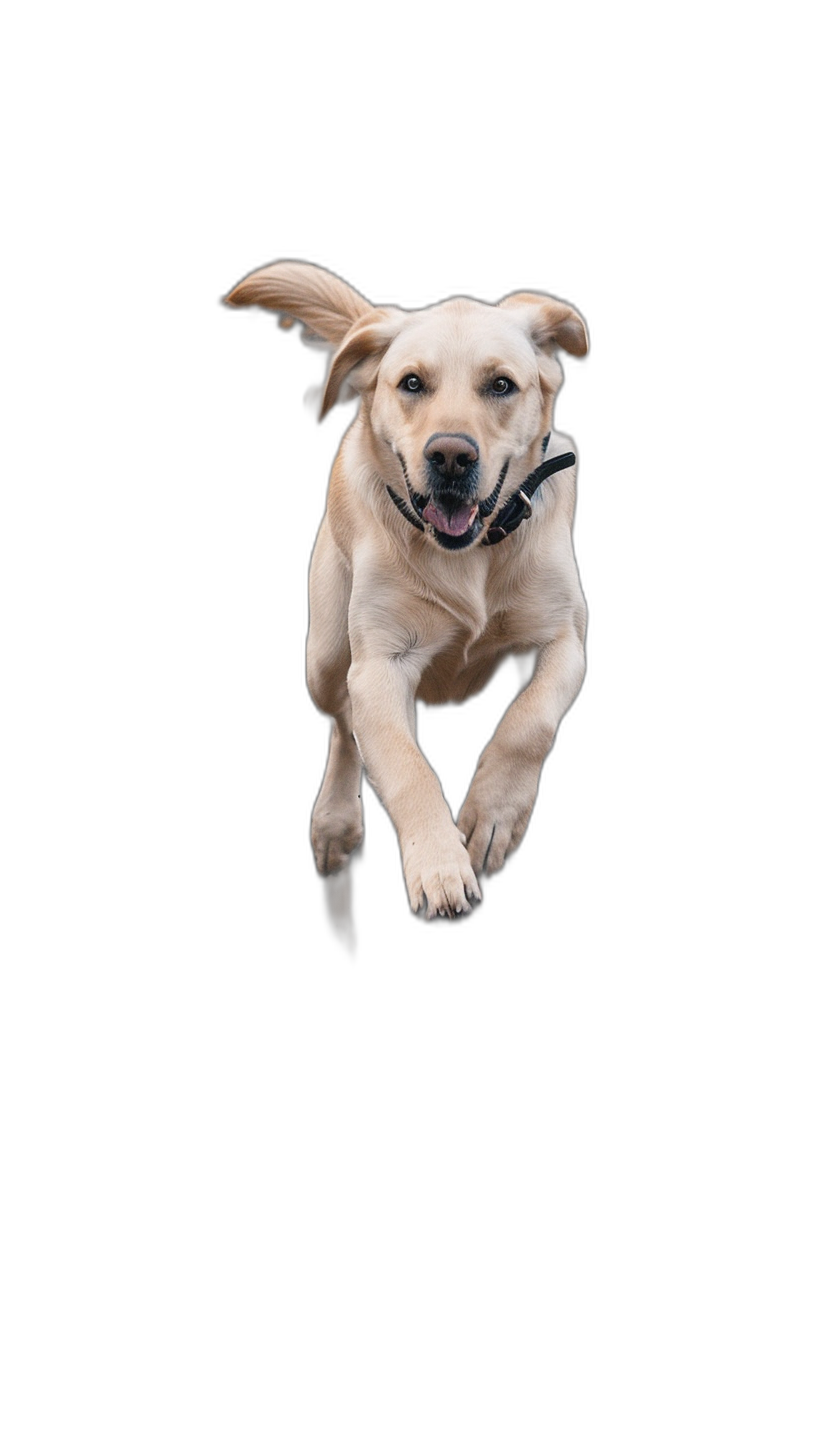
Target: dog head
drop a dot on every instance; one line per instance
(457, 398)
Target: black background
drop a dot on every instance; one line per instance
(583, 885)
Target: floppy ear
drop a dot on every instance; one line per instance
(319, 299)
(368, 341)
(552, 323)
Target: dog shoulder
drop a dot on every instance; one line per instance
(359, 515)
(548, 578)
(342, 508)
(560, 489)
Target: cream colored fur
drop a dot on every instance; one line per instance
(394, 615)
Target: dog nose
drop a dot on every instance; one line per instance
(452, 454)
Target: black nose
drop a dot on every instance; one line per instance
(452, 455)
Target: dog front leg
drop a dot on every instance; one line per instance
(438, 872)
(501, 796)
(337, 817)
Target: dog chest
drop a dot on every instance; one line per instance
(462, 667)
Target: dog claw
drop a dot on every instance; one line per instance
(434, 911)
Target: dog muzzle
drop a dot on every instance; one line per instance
(455, 521)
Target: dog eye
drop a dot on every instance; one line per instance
(412, 384)
(502, 386)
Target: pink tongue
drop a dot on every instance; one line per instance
(451, 525)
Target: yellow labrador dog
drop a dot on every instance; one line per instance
(446, 544)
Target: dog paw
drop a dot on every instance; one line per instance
(495, 815)
(336, 833)
(440, 878)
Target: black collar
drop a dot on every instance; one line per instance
(520, 506)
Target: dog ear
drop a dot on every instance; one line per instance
(323, 302)
(366, 341)
(552, 323)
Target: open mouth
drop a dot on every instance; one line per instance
(455, 522)
(452, 518)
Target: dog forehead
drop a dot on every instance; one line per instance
(461, 333)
